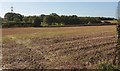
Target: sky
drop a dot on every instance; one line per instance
(59, 0)
(96, 9)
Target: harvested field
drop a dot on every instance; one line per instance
(58, 47)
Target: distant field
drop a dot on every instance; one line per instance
(58, 47)
(112, 21)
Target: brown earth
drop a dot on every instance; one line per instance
(62, 48)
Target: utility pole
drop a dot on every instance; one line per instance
(11, 9)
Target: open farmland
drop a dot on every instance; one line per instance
(58, 47)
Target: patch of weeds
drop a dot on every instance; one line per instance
(108, 67)
(18, 39)
(9, 38)
(24, 36)
(25, 42)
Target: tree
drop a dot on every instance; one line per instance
(30, 19)
(54, 14)
(12, 16)
(56, 18)
(25, 19)
(17, 20)
(1, 21)
(9, 16)
(52, 19)
(36, 22)
(42, 16)
(49, 19)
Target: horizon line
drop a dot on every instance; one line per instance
(61, 15)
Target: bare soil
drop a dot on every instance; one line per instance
(78, 47)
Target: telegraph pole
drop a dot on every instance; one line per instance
(12, 9)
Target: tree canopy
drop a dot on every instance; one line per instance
(16, 19)
(13, 16)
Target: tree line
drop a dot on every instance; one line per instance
(18, 20)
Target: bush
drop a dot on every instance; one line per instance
(8, 24)
(53, 24)
(43, 24)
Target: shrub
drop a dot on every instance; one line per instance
(43, 24)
